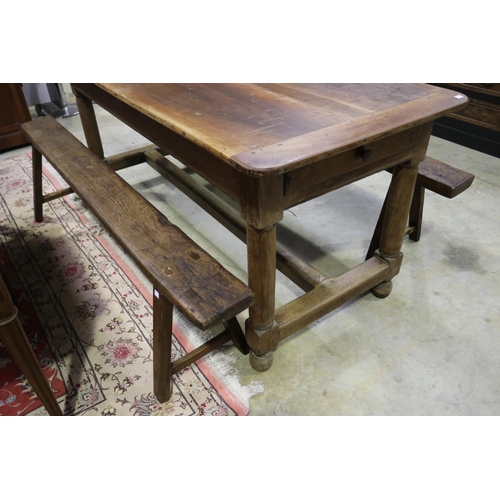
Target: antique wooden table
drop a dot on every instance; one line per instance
(270, 147)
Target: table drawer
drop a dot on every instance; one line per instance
(337, 171)
(480, 113)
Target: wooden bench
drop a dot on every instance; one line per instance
(436, 176)
(182, 273)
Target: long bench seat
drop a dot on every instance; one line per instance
(182, 273)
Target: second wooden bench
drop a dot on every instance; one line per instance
(436, 176)
(182, 273)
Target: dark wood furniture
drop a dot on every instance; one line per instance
(13, 112)
(14, 338)
(273, 146)
(478, 125)
(182, 273)
(436, 176)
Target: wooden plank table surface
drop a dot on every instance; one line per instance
(273, 146)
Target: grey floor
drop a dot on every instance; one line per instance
(431, 348)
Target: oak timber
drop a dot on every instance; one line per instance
(436, 176)
(271, 129)
(255, 142)
(189, 277)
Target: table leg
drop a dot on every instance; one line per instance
(395, 221)
(261, 247)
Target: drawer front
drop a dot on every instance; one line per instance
(331, 173)
(480, 113)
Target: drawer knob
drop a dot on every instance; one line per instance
(363, 154)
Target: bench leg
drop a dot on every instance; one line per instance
(162, 346)
(417, 212)
(37, 185)
(377, 233)
(237, 335)
(415, 220)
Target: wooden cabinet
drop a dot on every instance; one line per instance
(478, 125)
(13, 112)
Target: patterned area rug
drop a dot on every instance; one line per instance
(87, 311)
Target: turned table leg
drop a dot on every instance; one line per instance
(397, 209)
(261, 245)
(261, 205)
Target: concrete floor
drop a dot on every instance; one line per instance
(431, 348)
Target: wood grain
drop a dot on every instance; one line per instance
(442, 178)
(272, 129)
(183, 272)
(270, 146)
(435, 175)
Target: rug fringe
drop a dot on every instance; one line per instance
(224, 365)
(221, 362)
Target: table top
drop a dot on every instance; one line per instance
(268, 129)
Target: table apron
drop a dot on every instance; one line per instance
(212, 168)
(337, 171)
(336, 182)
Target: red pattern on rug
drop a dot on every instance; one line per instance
(87, 311)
